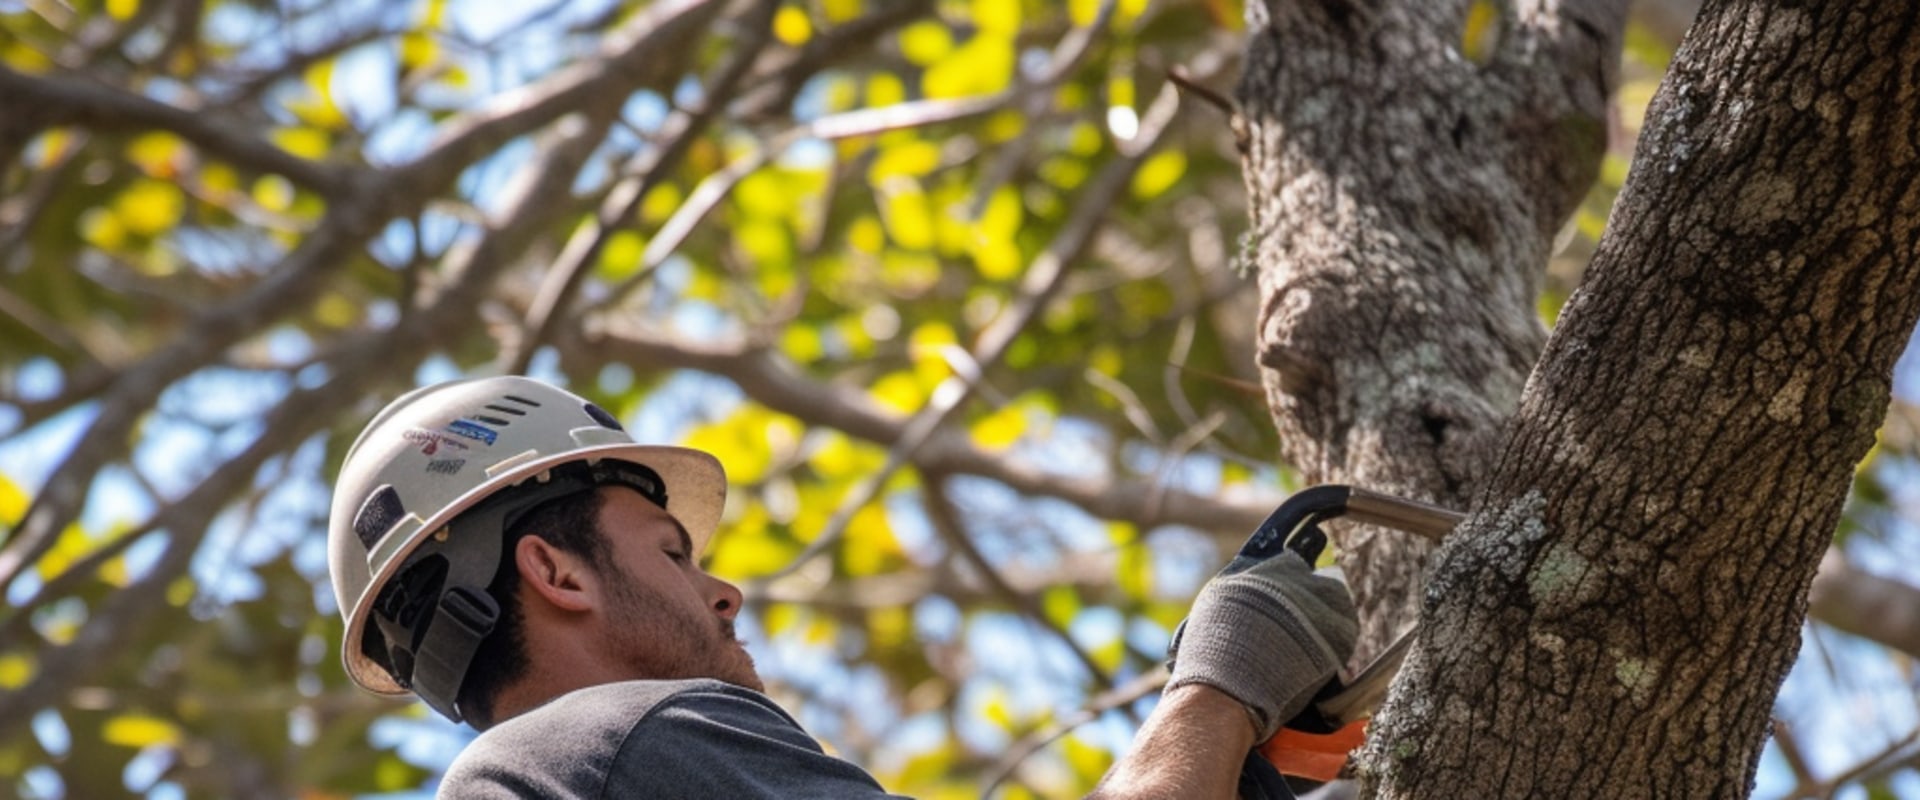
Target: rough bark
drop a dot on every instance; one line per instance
(1404, 188)
(1617, 616)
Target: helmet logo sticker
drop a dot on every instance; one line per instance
(431, 441)
(472, 430)
(445, 466)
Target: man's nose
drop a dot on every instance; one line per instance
(726, 598)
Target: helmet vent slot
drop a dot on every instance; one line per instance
(492, 420)
(506, 410)
(521, 400)
(377, 515)
(601, 416)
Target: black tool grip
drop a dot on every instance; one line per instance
(1292, 525)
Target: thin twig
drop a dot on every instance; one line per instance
(1118, 697)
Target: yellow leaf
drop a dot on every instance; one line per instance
(114, 572)
(122, 10)
(1106, 360)
(767, 245)
(838, 457)
(868, 547)
(999, 17)
(101, 228)
(930, 341)
(790, 25)
(997, 259)
(841, 10)
(50, 147)
(899, 391)
(138, 730)
(25, 58)
(912, 158)
(335, 310)
(924, 43)
(866, 235)
(149, 207)
(764, 194)
(1082, 12)
(997, 710)
(1003, 215)
(1158, 174)
(1003, 126)
(417, 50)
(780, 618)
(1088, 762)
(156, 154)
(273, 193)
(1063, 172)
(218, 180)
(819, 631)
(745, 464)
(904, 211)
(1085, 139)
(885, 89)
(1060, 604)
(999, 430)
(802, 344)
(1120, 90)
(1134, 571)
(181, 591)
(1481, 34)
(71, 545)
(305, 142)
(620, 256)
(750, 548)
(317, 108)
(983, 65)
(15, 670)
(889, 627)
(390, 774)
(660, 203)
(13, 501)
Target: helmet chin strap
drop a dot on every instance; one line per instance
(430, 654)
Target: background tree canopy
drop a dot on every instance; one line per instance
(955, 290)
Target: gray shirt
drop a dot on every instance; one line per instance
(647, 739)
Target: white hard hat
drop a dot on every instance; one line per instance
(426, 493)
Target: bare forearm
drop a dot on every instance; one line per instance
(1191, 747)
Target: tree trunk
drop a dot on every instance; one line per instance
(1406, 175)
(1617, 616)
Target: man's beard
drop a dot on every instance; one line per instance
(670, 645)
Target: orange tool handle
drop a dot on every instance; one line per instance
(1314, 756)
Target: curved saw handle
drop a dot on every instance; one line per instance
(1315, 744)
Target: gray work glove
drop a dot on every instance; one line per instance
(1268, 633)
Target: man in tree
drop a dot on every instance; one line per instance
(506, 551)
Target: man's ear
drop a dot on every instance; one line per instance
(557, 576)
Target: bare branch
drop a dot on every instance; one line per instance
(648, 51)
(64, 100)
(1877, 608)
(1042, 281)
(946, 522)
(678, 133)
(1118, 697)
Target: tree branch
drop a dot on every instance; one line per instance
(1866, 605)
(63, 100)
(646, 52)
(678, 132)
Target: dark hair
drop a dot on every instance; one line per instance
(570, 524)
